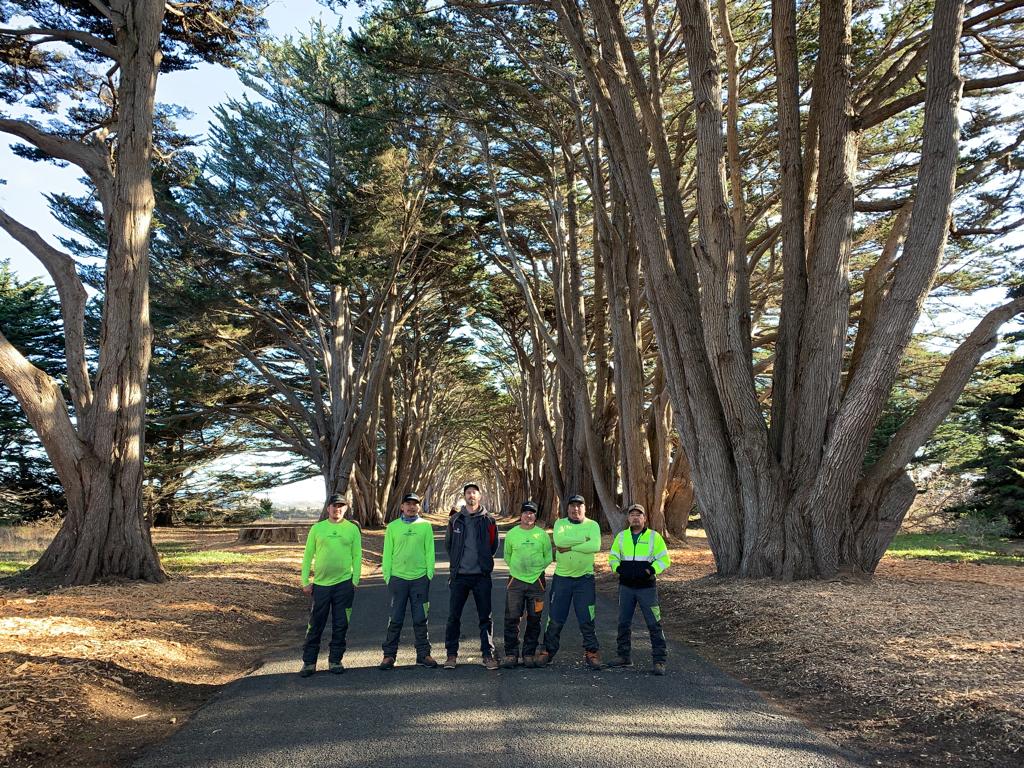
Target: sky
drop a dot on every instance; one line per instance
(200, 90)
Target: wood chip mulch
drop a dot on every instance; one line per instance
(90, 675)
(921, 666)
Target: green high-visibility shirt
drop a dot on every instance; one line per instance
(408, 550)
(585, 540)
(527, 553)
(335, 552)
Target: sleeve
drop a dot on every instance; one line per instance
(307, 557)
(661, 559)
(448, 536)
(548, 555)
(492, 533)
(564, 537)
(357, 557)
(428, 550)
(615, 555)
(510, 547)
(385, 563)
(592, 543)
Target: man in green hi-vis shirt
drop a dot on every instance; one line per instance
(527, 553)
(577, 540)
(334, 550)
(408, 567)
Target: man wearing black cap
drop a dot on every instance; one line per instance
(334, 552)
(408, 567)
(577, 540)
(471, 540)
(527, 553)
(638, 556)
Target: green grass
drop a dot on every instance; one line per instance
(9, 566)
(956, 548)
(173, 557)
(179, 557)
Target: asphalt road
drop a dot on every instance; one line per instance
(413, 717)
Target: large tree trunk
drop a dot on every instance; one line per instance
(106, 533)
(779, 503)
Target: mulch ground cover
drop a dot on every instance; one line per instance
(921, 666)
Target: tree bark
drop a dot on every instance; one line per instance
(100, 458)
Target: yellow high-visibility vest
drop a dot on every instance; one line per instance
(649, 548)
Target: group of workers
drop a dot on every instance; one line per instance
(333, 558)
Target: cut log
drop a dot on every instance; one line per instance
(273, 534)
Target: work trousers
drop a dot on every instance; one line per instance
(523, 598)
(580, 593)
(647, 599)
(335, 600)
(416, 594)
(462, 585)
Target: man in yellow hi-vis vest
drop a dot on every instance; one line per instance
(638, 555)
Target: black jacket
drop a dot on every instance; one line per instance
(455, 541)
(636, 574)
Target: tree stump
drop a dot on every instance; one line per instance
(273, 534)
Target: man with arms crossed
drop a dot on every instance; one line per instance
(577, 540)
(334, 549)
(471, 540)
(408, 567)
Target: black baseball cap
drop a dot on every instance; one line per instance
(411, 497)
(337, 498)
(528, 506)
(469, 485)
(577, 499)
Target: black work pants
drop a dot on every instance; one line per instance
(579, 593)
(335, 600)
(462, 585)
(522, 597)
(416, 594)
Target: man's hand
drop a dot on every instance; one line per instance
(308, 589)
(564, 549)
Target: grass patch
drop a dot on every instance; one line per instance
(957, 548)
(177, 557)
(9, 567)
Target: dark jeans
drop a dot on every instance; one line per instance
(523, 598)
(335, 600)
(647, 599)
(461, 586)
(578, 591)
(416, 594)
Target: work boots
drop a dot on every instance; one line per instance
(593, 660)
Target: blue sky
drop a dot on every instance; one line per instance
(199, 90)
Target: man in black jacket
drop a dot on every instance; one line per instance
(471, 540)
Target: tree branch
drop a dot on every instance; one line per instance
(73, 298)
(50, 35)
(893, 108)
(44, 406)
(934, 408)
(91, 158)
